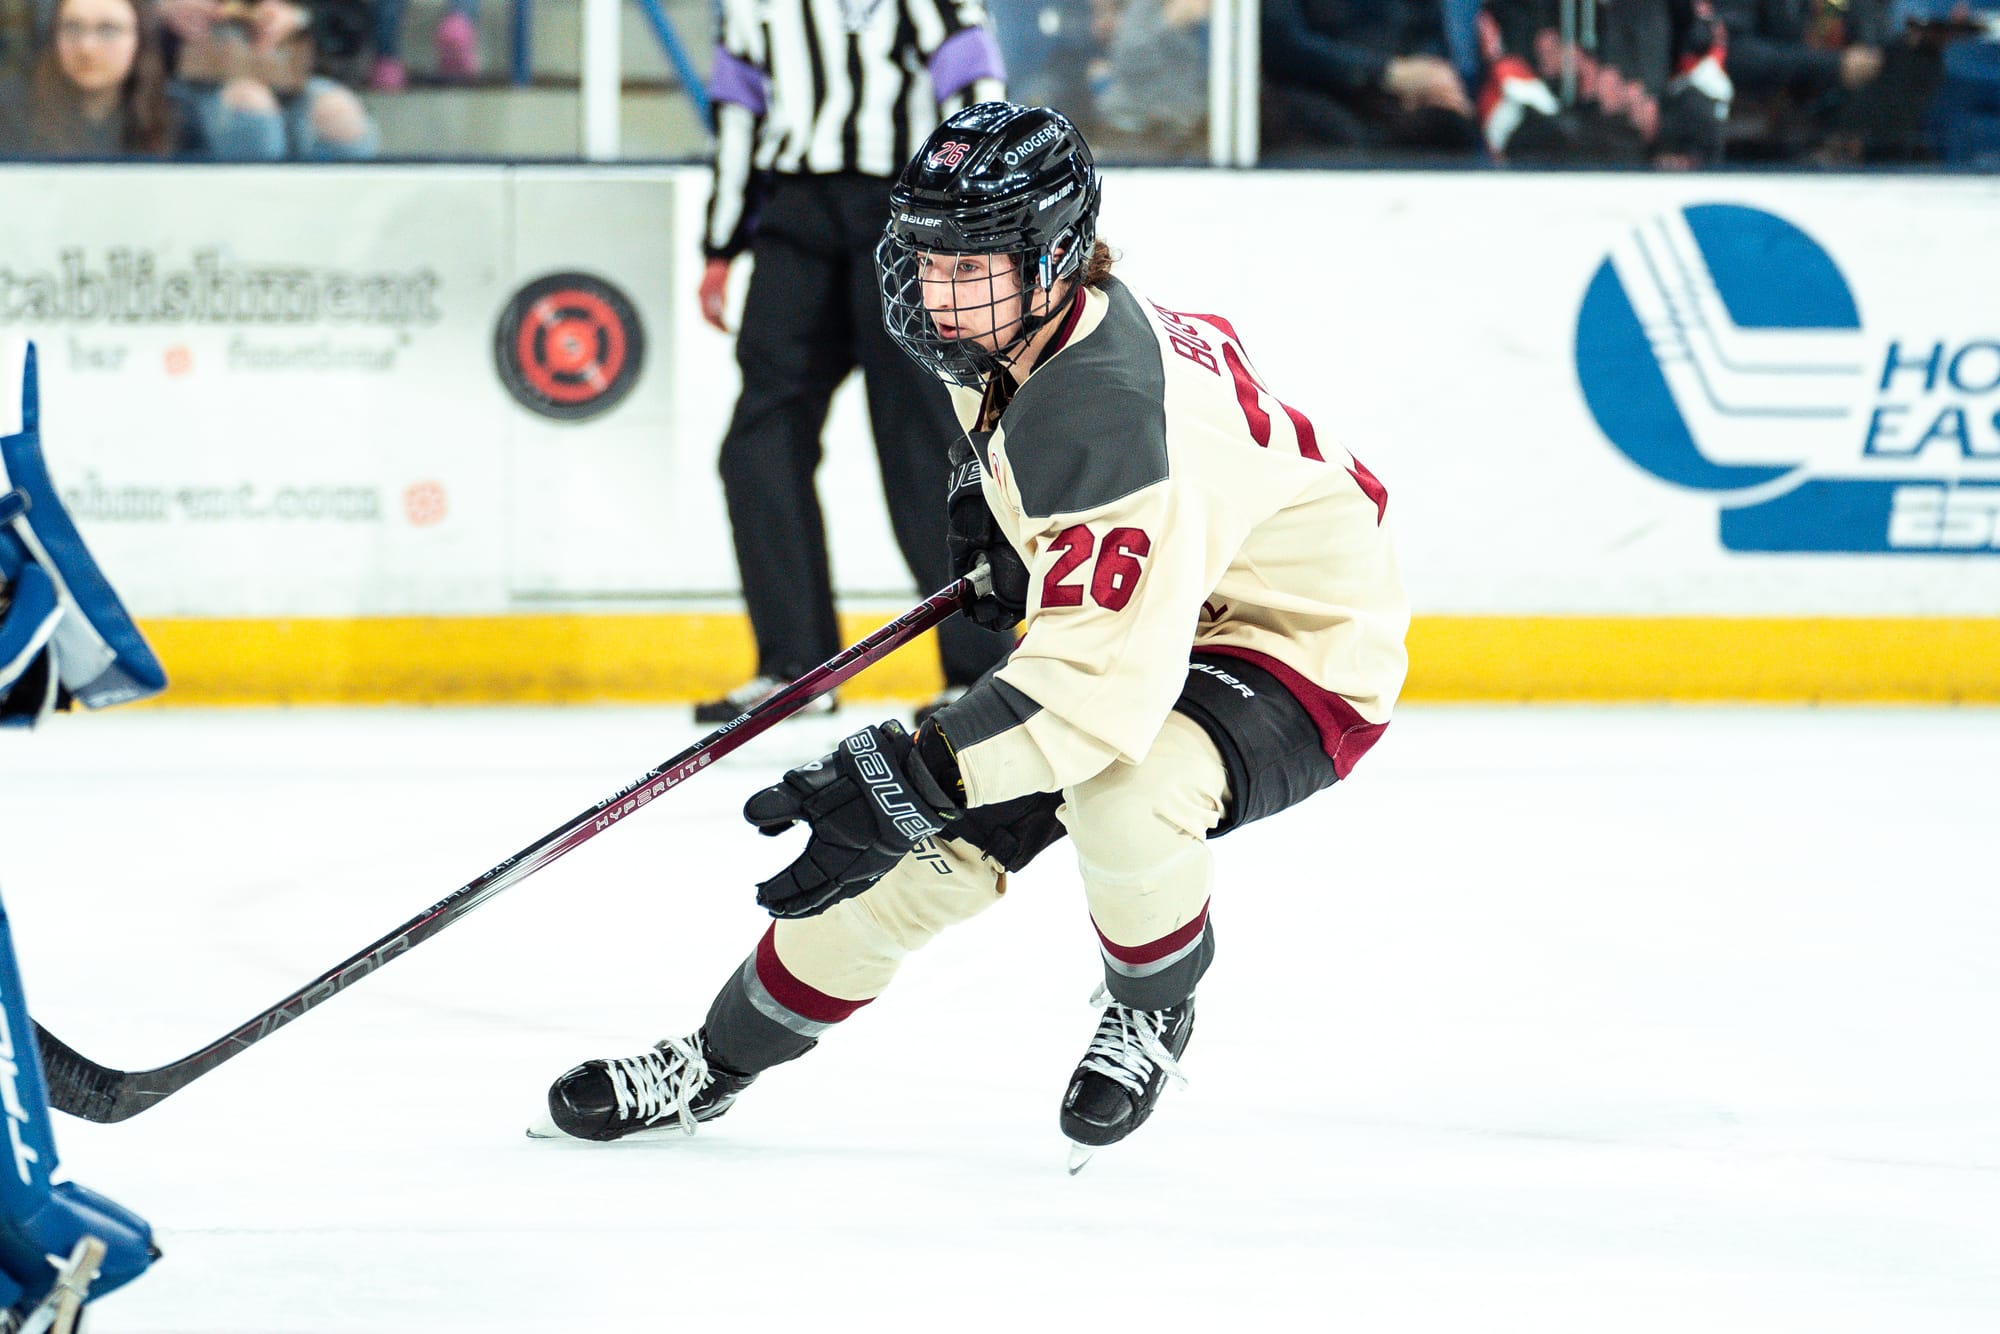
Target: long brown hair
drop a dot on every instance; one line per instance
(1099, 266)
(145, 121)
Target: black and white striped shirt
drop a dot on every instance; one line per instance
(815, 87)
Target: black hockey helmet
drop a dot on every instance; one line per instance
(993, 179)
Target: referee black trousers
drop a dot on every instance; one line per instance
(812, 315)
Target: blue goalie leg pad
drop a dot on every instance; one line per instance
(13, 556)
(100, 654)
(28, 622)
(41, 1218)
(26, 694)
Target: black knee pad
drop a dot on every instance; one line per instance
(1270, 747)
(1012, 832)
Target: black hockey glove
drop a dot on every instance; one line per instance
(868, 804)
(973, 534)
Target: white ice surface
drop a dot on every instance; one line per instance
(1551, 1020)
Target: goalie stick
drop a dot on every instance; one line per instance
(94, 1092)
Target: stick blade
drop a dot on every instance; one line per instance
(84, 1088)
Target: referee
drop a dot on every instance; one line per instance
(818, 104)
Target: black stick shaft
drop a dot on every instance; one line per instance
(83, 1088)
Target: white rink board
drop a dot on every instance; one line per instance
(1430, 321)
(333, 457)
(222, 466)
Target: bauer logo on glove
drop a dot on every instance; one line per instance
(885, 786)
(867, 804)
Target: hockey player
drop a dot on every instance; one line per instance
(1213, 632)
(64, 636)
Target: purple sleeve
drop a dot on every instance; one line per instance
(733, 79)
(967, 55)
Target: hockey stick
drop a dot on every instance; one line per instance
(97, 1093)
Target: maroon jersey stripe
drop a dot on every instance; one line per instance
(1069, 322)
(1308, 439)
(1344, 734)
(1370, 487)
(1246, 397)
(1228, 329)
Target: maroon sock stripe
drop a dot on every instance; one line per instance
(809, 1003)
(1137, 958)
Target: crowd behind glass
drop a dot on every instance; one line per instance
(1661, 84)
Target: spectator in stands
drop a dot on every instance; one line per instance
(1362, 75)
(245, 74)
(1153, 98)
(1635, 83)
(1847, 83)
(456, 42)
(1795, 65)
(98, 90)
(1965, 119)
(1049, 48)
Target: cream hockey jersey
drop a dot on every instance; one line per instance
(1166, 504)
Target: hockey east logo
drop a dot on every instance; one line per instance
(1722, 350)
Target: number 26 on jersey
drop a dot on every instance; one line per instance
(1113, 573)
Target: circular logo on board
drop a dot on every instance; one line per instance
(424, 503)
(569, 346)
(1716, 345)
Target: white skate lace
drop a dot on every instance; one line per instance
(652, 1085)
(760, 688)
(754, 691)
(1128, 1046)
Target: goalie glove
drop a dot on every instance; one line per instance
(868, 804)
(972, 535)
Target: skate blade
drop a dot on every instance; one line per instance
(546, 1128)
(1079, 1157)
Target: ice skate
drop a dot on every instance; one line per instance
(1119, 1080)
(729, 707)
(676, 1084)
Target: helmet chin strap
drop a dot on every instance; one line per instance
(1030, 325)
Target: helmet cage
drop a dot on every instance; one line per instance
(994, 180)
(908, 319)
